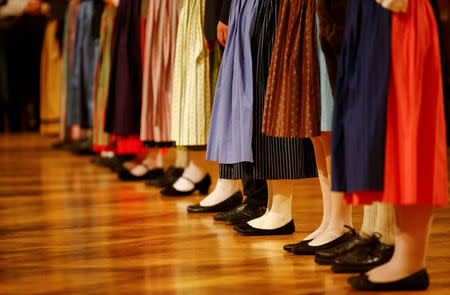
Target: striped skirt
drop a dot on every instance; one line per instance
(101, 83)
(85, 54)
(162, 21)
(68, 41)
(273, 158)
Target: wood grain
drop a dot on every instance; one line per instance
(68, 227)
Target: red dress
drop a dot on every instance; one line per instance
(416, 149)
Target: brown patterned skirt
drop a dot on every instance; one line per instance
(292, 104)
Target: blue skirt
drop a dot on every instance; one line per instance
(230, 131)
(80, 99)
(359, 119)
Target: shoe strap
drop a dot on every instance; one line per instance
(184, 177)
(351, 229)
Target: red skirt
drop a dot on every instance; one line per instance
(416, 149)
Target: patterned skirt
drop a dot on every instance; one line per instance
(68, 40)
(162, 22)
(192, 82)
(101, 82)
(292, 107)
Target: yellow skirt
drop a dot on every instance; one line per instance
(51, 63)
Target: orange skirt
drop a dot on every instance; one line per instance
(416, 149)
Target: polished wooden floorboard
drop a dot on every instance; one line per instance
(68, 227)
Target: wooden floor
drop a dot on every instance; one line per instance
(68, 227)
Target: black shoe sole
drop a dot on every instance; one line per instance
(336, 268)
(323, 261)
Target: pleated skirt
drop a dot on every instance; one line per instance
(192, 82)
(359, 119)
(68, 42)
(123, 110)
(85, 54)
(230, 134)
(274, 158)
(161, 32)
(415, 148)
(50, 92)
(292, 107)
(102, 76)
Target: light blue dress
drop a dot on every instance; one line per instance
(326, 95)
(230, 133)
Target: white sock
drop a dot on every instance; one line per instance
(385, 223)
(139, 170)
(108, 155)
(279, 214)
(369, 220)
(192, 174)
(181, 159)
(224, 189)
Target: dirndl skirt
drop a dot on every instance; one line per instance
(123, 110)
(102, 76)
(161, 31)
(359, 119)
(192, 82)
(85, 55)
(292, 107)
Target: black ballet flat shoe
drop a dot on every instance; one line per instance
(223, 206)
(290, 247)
(248, 230)
(83, 147)
(223, 216)
(116, 163)
(167, 179)
(363, 258)
(202, 187)
(250, 212)
(306, 249)
(61, 145)
(327, 256)
(416, 281)
(126, 175)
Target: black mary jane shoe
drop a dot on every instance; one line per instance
(327, 256)
(290, 247)
(223, 206)
(363, 258)
(168, 179)
(248, 230)
(416, 281)
(202, 187)
(126, 175)
(306, 249)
